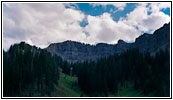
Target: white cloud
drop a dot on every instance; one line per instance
(119, 6)
(155, 21)
(140, 18)
(7, 42)
(156, 7)
(104, 29)
(41, 23)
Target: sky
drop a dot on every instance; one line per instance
(41, 24)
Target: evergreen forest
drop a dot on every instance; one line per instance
(29, 71)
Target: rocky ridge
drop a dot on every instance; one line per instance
(75, 51)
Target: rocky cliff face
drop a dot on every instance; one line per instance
(152, 43)
(76, 51)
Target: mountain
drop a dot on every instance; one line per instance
(75, 51)
(152, 43)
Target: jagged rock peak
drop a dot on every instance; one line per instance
(143, 37)
(70, 41)
(102, 44)
(121, 41)
(73, 42)
(167, 24)
(164, 29)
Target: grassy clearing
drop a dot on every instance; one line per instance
(67, 87)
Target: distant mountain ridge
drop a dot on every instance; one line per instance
(75, 51)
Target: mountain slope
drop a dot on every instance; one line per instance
(75, 51)
(152, 43)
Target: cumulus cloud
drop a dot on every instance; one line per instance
(43, 23)
(119, 6)
(145, 22)
(104, 29)
(156, 7)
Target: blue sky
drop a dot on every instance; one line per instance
(166, 11)
(43, 23)
(99, 10)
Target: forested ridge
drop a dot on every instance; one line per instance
(27, 68)
(30, 71)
